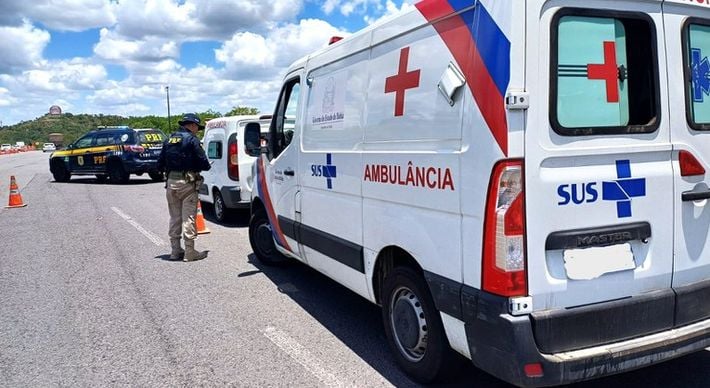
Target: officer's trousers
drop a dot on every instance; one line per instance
(182, 204)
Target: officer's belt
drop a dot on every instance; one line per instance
(177, 174)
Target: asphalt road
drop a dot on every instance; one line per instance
(88, 299)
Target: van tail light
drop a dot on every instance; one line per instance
(134, 148)
(504, 263)
(689, 165)
(233, 161)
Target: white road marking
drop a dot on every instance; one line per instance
(150, 235)
(300, 354)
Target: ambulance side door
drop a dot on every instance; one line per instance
(688, 45)
(281, 172)
(331, 167)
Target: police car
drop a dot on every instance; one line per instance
(110, 153)
(523, 183)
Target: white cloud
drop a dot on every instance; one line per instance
(72, 75)
(77, 15)
(391, 9)
(21, 47)
(347, 7)
(113, 47)
(263, 56)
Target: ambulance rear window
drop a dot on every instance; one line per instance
(604, 73)
(697, 43)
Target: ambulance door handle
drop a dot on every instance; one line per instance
(695, 195)
(289, 172)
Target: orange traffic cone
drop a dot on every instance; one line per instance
(15, 197)
(200, 221)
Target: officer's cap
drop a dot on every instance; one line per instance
(191, 118)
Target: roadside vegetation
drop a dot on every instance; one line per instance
(73, 126)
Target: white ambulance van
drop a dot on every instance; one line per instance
(522, 182)
(228, 183)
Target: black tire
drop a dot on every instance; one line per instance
(117, 173)
(414, 330)
(60, 173)
(220, 209)
(157, 176)
(101, 178)
(262, 241)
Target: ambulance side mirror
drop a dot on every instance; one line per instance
(252, 139)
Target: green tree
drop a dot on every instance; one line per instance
(242, 111)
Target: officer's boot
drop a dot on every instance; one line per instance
(177, 253)
(191, 254)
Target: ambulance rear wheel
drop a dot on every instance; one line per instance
(262, 240)
(220, 209)
(413, 328)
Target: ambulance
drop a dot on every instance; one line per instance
(228, 184)
(522, 183)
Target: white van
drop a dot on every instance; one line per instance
(523, 182)
(228, 183)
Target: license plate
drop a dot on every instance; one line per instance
(591, 263)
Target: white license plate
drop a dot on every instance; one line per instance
(591, 263)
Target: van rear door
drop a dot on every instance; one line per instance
(599, 178)
(688, 44)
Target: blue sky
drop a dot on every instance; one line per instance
(117, 56)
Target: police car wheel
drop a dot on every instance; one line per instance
(413, 328)
(220, 209)
(101, 178)
(117, 173)
(262, 241)
(60, 173)
(157, 176)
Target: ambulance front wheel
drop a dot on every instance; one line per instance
(262, 240)
(414, 329)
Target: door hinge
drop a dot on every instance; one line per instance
(517, 101)
(520, 305)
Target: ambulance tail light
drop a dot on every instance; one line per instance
(689, 165)
(233, 161)
(334, 39)
(504, 262)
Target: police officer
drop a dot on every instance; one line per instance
(183, 158)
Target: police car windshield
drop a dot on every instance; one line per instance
(151, 136)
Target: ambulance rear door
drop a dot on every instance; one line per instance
(598, 174)
(687, 27)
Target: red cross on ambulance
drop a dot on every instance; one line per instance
(592, 75)
(400, 82)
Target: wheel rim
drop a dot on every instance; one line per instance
(408, 324)
(264, 239)
(218, 207)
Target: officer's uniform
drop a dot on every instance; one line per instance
(183, 158)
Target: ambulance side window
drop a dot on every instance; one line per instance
(214, 150)
(696, 40)
(285, 122)
(604, 73)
